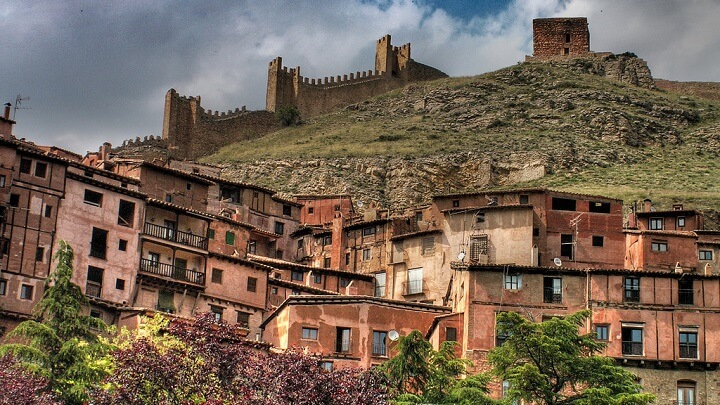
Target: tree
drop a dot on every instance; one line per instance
(288, 116)
(20, 386)
(61, 343)
(552, 363)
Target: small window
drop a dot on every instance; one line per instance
(217, 312)
(327, 262)
(513, 281)
(2, 181)
(366, 254)
(274, 290)
(287, 210)
(479, 217)
(168, 197)
(26, 292)
(311, 210)
(680, 222)
(93, 288)
(631, 287)
(327, 365)
(317, 278)
(230, 238)
(119, 284)
(252, 284)
(3, 286)
(379, 345)
(295, 292)
(243, 319)
(93, 198)
(347, 259)
(598, 241)
(327, 240)
(706, 254)
(337, 207)
(40, 254)
(566, 51)
(428, 246)
(14, 200)
(686, 393)
(188, 186)
(344, 282)
(48, 211)
(279, 254)
(342, 340)
(296, 276)
(126, 213)
(566, 246)
(25, 166)
(567, 37)
(216, 276)
(564, 204)
(451, 334)
(552, 290)
(656, 224)
(536, 232)
(211, 233)
(418, 216)
(524, 199)
(251, 246)
(122, 245)
(279, 228)
(368, 231)
(659, 246)
(632, 341)
(98, 243)
(686, 291)
(41, 169)
(380, 279)
(455, 203)
(309, 333)
(602, 332)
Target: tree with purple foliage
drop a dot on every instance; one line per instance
(19, 386)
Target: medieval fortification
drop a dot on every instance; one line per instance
(190, 131)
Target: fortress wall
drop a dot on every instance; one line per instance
(553, 37)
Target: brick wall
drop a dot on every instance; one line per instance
(560, 36)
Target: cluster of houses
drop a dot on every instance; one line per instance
(310, 272)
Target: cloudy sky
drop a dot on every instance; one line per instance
(98, 71)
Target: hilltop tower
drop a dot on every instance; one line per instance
(557, 37)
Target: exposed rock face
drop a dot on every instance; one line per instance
(625, 67)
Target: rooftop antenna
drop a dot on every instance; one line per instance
(18, 102)
(574, 223)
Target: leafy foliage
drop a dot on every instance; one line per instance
(19, 386)
(551, 363)
(61, 343)
(288, 116)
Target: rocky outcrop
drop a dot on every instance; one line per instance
(625, 67)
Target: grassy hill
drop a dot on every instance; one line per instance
(591, 134)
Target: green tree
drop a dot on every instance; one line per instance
(61, 343)
(288, 116)
(551, 363)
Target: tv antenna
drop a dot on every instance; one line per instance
(18, 102)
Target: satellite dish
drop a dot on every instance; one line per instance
(557, 261)
(461, 256)
(393, 335)
(359, 204)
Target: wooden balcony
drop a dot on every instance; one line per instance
(174, 235)
(173, 272)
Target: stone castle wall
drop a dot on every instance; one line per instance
(554, 37)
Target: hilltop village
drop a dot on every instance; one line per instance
(172, 236)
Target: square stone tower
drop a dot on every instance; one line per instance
(553, 37)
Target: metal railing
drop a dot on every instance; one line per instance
(552, 295)
(631, 295)
(174, 235)
(174, 272)
(632, 348)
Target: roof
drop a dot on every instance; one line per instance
(221, 180)
(108, 186)
(362, 224)
(569, 270)
(176, 172)
(303, 267)
(353, 299)
(682, 234)
(164, 204)
(488, 208)
(437, 320)
(106, 173)
(530, 190)
(416, 234)
(322, 196)
(298, 286)
(240, 260)
(667, 213)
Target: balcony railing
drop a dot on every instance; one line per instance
(174, 272)
(632, 295)
(632, 348)
(174, 235)
(93, 289)
(552, 295)
(414, 287)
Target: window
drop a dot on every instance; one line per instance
(122, 245)
(600, 207)
(418, 216)
(3, 286)
(93, 198)
(287, 210)
(379, 345)
(632, 340)
(680, 222)
(326, 262)
(380, 284)
(513, 281)
(188, 186)
(563, 204)
(211, 233)
(48, 211)
(252, 284)
(26, 292)
(366, 254)
(309, 333)
(552, 290)
(279, 254)
(428, 246)
(41, 169)
(659, 246)
(317, 278)
(230, 238)
(274, 290)
(706, 255)
(296, 276)
(500, 335)
(344, 282)
(342, 340)
(567, 37)
(656, 224)
(566, 246)
(295, 292)
(566, 51)
(688, 344)
(478, 247)
(166, 301)
(602, 332)
(93, 288)
(631, 287)
(415, 281)
(119, 284)
(96, 314)
(524, 199)
(451, 334)
(368, 231)
(154, 258)
(327, 365)
(98, 243)
(217, 311)
(216, 276)
(311, 210)
(336, 207)
(327, 240)
(279, 228)
(598, 241)
(25, 165)
(126, 213)
(251, 247)
(243, 319)
(2, 181)
(168, 197)
(347, 259)
(686, 393)
(686, 292)
(40, 254)
(14, 200)
(455, 203)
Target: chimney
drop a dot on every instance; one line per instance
(105, 150)
(6, 114)
(647, 205)
(6, 123)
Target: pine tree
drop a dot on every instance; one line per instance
(61, 343)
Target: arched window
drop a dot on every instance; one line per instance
(686, 392)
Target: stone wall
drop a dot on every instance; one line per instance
(560, 37)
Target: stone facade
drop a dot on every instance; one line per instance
(553, 37)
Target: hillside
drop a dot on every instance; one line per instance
(533, 124)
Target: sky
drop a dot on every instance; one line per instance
(90, 72)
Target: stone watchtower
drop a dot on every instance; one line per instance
(553, 37)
